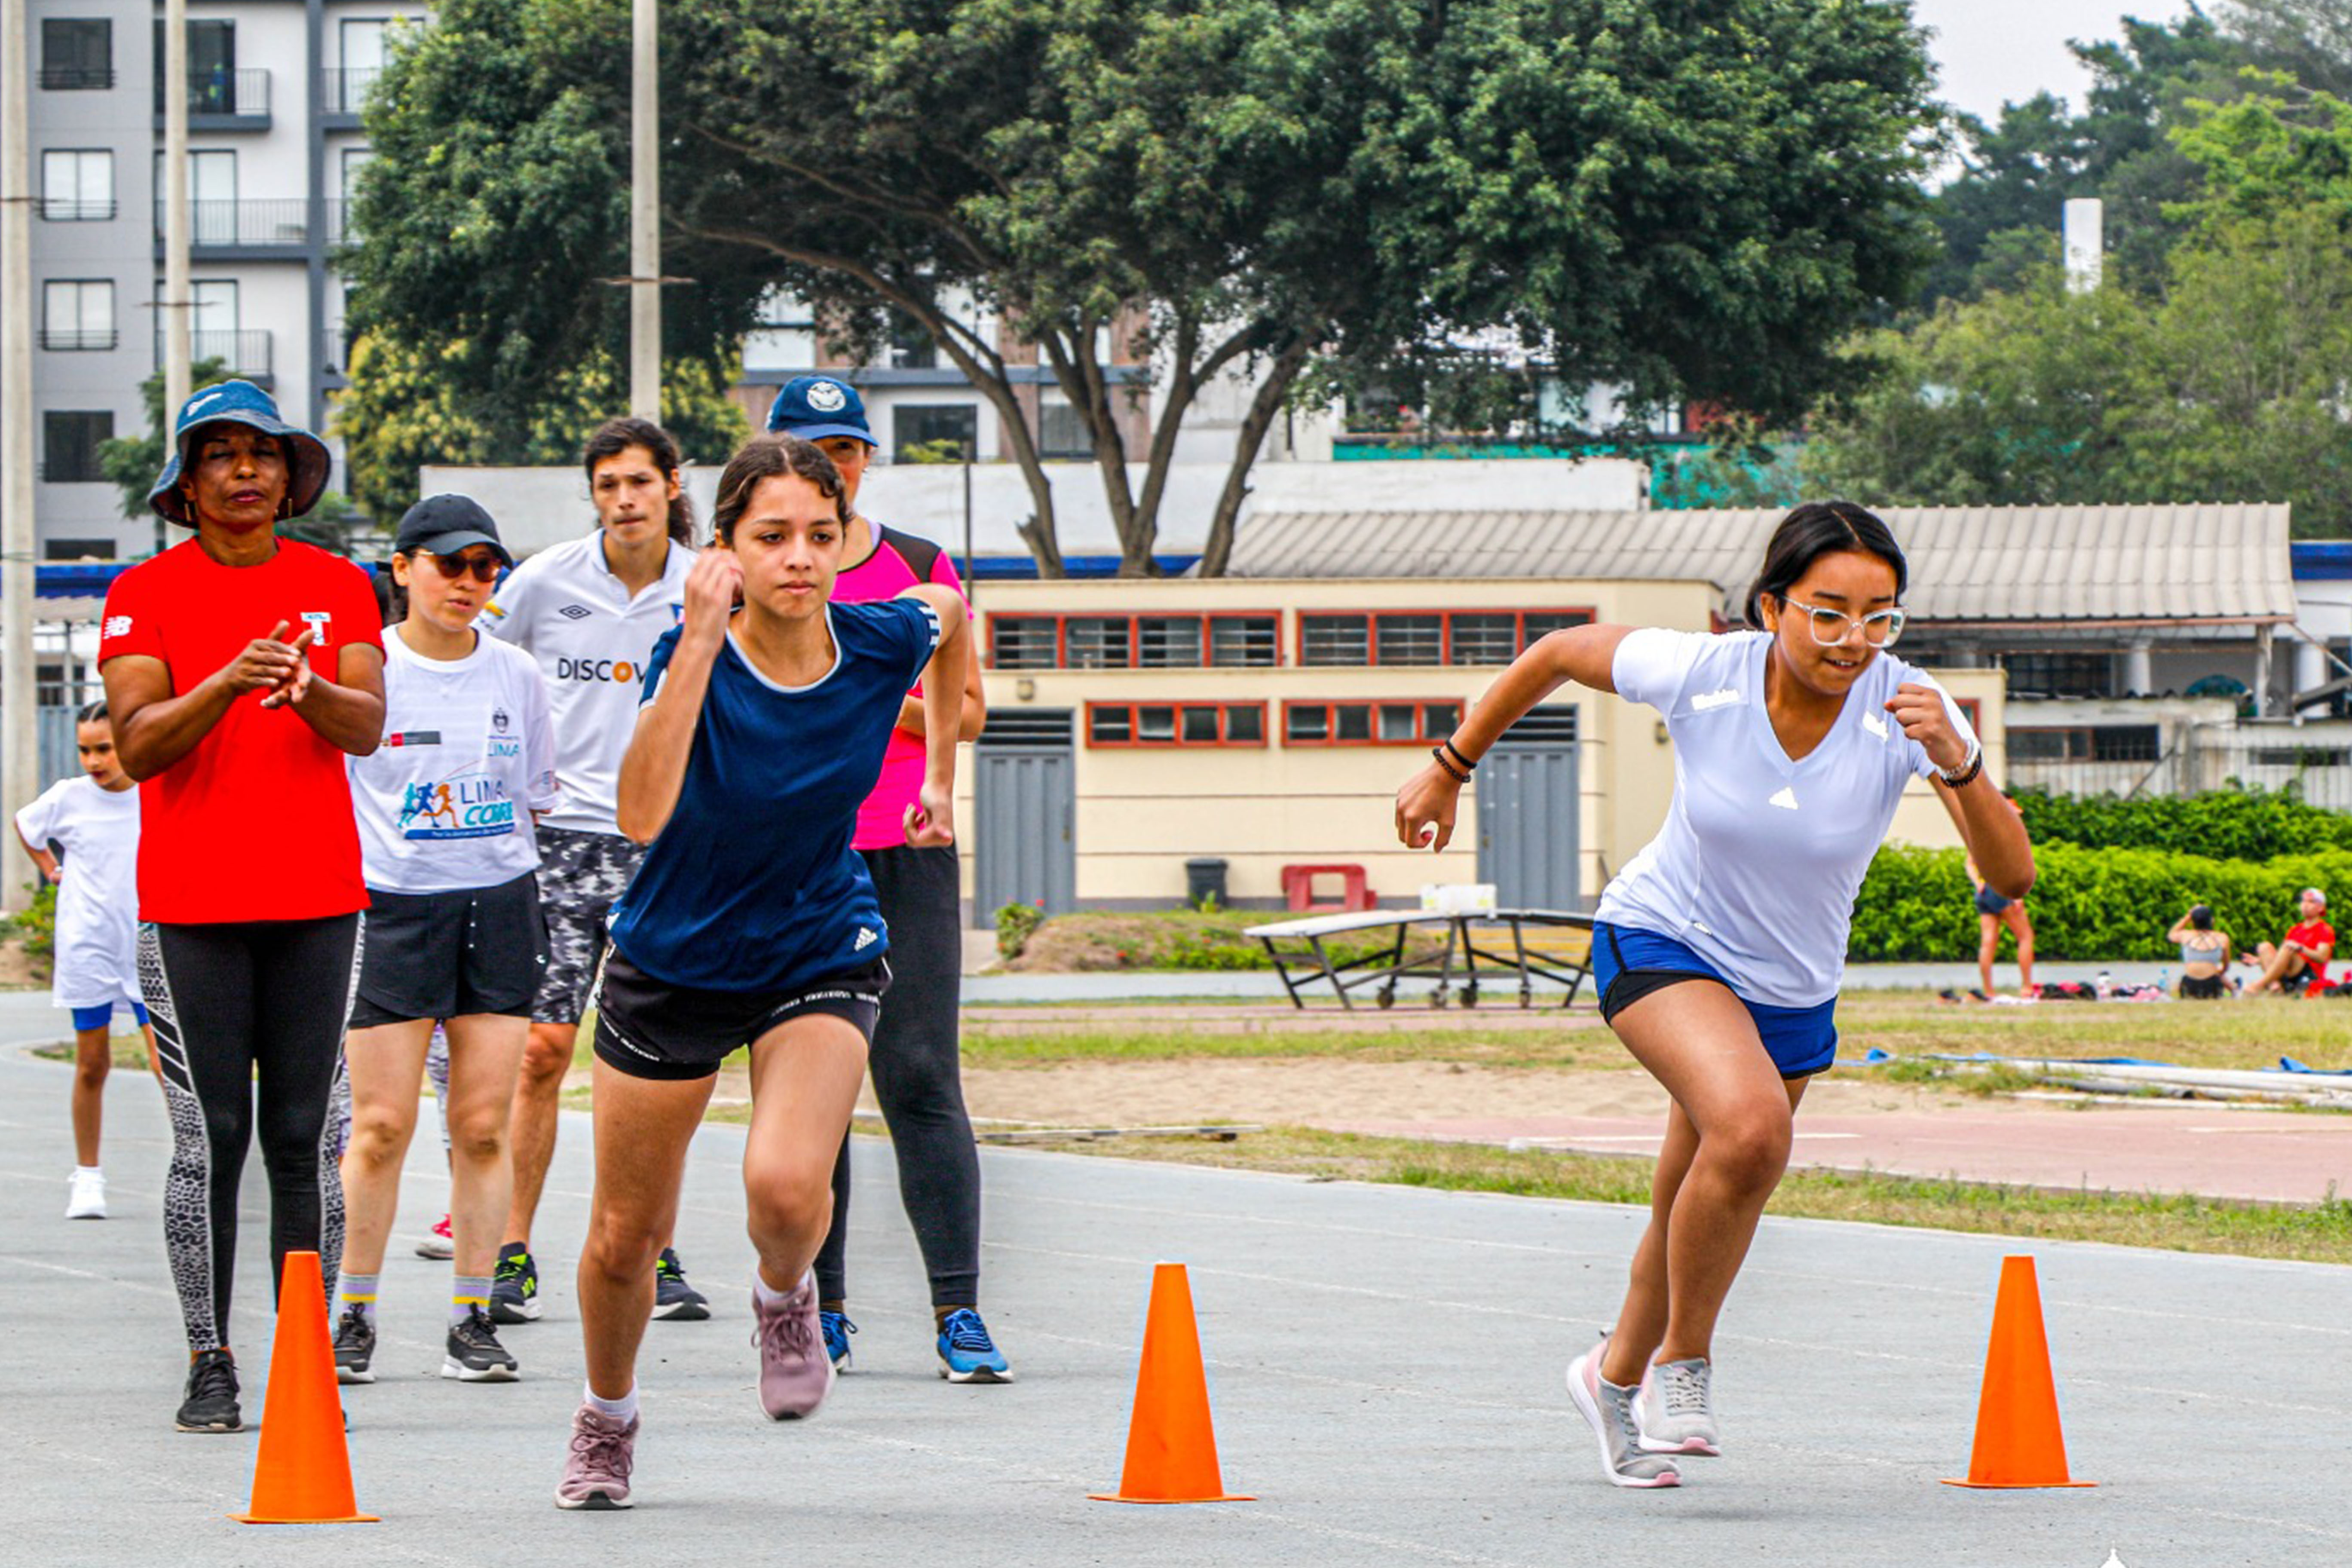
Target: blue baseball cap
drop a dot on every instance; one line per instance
(815, 406)
(308, 463)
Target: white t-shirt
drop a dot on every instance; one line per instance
(97, 900)
(592, 638)
(467, 755)
(1759, 859)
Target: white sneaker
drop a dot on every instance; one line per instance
(85, 1194)
(1674, 1409)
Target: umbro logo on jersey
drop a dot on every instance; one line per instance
(576, 612)
(1785, 799)
(1708, 700)
(865, 939)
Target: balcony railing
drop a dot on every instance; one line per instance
(223, 94)
(338, 221)
(245, 353)
(221, 224)
(79, 340)
(348, 87)
(69, 209)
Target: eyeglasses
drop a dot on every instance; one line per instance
(1831, 627)
(484, 566)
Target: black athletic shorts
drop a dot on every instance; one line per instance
(649, 1029)
(451, 955)
(2203, 987)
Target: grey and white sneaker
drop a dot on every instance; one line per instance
(1609, 1410)
(355, 1347)
(474, 1353)
(1674, 1409)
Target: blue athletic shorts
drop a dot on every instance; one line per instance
(1629, 963)
(102, 1017)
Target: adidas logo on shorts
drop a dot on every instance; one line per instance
(865, 939)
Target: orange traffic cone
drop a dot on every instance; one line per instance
(303, 1473)
(1172, 1453)
(2018, 1440)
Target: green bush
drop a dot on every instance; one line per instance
(37, 927)
(1014, 925)
(2087, 904)
(2227, 825)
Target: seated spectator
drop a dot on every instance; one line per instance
(2204, 955)
(2299, 964)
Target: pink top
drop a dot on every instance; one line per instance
(885, 574)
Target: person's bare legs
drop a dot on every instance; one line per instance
(531, 1121)
(386, 1067)
(485, 1053)
(93, 1059)
(806, 1074)
(1698, 1041)
(2277, 963)
(1988, 948)
(2021, 926)
(642, 1128)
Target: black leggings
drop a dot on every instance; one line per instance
(226, 1000)
(918, 1080)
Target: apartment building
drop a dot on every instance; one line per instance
(274, 92)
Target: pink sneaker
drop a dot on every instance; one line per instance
(795, 1374)
(596, 1472)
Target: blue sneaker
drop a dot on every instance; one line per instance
(966, 1352)
(838, 1329)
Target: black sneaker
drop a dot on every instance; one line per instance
(354, 1347)
(474, 1355)
(673, 1298)
(514, 1287)
(211, 1404)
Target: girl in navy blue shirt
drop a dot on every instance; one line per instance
(752, 921)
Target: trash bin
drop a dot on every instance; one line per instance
(1204, 880)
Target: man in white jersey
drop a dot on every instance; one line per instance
(589, 611)
(1718, 950)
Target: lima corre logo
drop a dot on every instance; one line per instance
(828, 397)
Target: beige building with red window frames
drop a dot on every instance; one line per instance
(1268, 722)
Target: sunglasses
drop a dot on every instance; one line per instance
(485, 567)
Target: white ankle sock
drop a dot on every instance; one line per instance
(764, 1293)
(623, 1409)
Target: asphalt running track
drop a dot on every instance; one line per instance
(1385, 1361)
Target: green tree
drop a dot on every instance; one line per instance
(405, 409)
(1691, 200)
(130, 464)
(2263, 157)
(2310, 40)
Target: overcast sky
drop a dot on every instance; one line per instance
(1989, 51)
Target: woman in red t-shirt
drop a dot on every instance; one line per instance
(250, 894)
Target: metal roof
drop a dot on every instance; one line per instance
(2207, 562)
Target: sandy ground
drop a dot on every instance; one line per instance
(1325, 1090)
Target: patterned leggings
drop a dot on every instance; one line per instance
(249, 1034)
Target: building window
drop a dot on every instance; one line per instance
(1403, 722)
(69, 443)
(362, 53)
(1061, 434)
(78, 315)
(1222, 639)
(77, 549)
(1176, 723)
(212, 67)
(2086, 743)
(910, 347)
(77, 54)
(2060, 674)
(1424, 637)
(932, 432)
(77, 185)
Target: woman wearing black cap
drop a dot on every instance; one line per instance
(238, 725)
(446, 812)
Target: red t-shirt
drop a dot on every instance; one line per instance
(885, 574)
(2314, 933)
(254, 823)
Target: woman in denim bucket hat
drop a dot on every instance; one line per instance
(237, 726)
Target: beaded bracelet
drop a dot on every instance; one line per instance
(1450, 771)
(1968, 770)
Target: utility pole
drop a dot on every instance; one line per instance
(176, 301)
(20, 747)
(645, 211)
